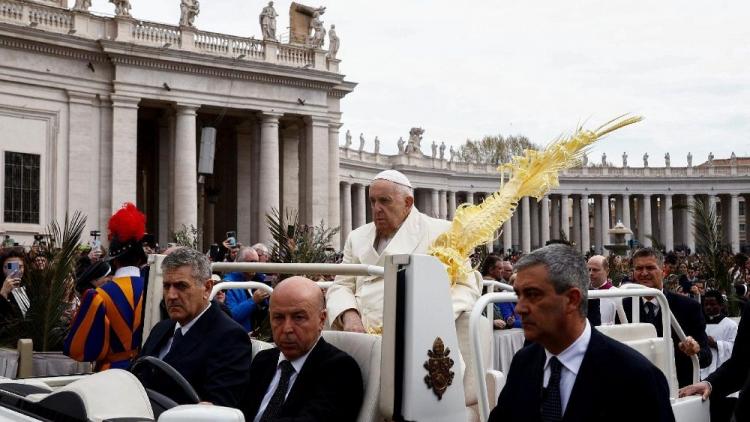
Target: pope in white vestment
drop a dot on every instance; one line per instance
(410, 232)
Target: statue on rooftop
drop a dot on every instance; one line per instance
(453, 154)
(624, 159)
(377, 145)
(333, 42)
(348, 143)
(733, 159)
(268, 22)
(82, 5)
(189, 9)
(667, 160)
(434, 149)
(711, 159)
(442, 150)
(400, 144)
(318, 31)
(645, 159)
(361, 142)
(122, 8)
(690, 159)
(604, 159)
(584, 160)
(415, 141)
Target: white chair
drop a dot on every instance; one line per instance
(365, 349)
(259, 345)
(471, 395)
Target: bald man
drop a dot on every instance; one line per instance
(303, 378)
(598, 269)
(356, 303)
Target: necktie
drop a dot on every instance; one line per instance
(176, 338)
(650, 312)
(552, 403)
(277, 400)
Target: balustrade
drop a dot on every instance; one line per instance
(227, 45)
(154, 33)
(295, 56)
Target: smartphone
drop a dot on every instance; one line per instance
(13, 269)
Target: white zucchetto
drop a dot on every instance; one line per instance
(394, 176)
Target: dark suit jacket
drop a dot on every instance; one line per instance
(214, 356)
(690, 316)
(328, 388)
(614, 383)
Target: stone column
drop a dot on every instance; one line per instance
(83, 175)
(434, 203)
(451, 204)
(597, 239)
(443, 204)
(346, 211)
(359, 217)
(712, 204)
(644, 225)
(245, 162)
(545, 221)
(564, 211)
(317, 171)
(555, 217)
(507, 235)
(626, 213)
(166, 168)
(689, 219)
(470, 197)
(516, 227)
(124, 148)
(333, 176)
(606, 222)
(668, 223)
(534, 222)
(576, 232)
(186, 168)
(525, 225)
(734, 222)
(585, 233)
(269, 192)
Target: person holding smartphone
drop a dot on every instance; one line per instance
(13, 298)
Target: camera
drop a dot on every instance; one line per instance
(38, 237)
(95, 233)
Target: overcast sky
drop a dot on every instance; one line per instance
(467, 69)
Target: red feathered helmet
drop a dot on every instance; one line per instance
(126, 230)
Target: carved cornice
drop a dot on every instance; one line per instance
(51, 49)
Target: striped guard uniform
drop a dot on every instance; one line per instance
(108, 326)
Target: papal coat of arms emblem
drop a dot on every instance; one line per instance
(438, 367)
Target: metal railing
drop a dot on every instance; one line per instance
(299, 268)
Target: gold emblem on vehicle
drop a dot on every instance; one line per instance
(439, 367)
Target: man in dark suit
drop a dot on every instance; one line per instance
(733, 375)
(647, 270)
(571, 372)
(199, 340)
(304, 378)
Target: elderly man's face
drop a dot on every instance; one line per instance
(507, 270)
(648, 272)
(390, 206)
(297, 318)
(185, 296)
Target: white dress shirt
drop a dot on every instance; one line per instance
(654, 301)
(127, 272)
(297, 364)
(570, 359)
(184, 329)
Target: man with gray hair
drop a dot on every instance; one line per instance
(200, 341)
(568, 361)
(356, 303)
(247, 307)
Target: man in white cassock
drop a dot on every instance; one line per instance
(356, 303)
(720, 330)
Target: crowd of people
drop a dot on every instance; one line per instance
(208, 340)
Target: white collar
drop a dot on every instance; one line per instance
(572, 357)
(191, 323)
(129, 271)
(300, 361)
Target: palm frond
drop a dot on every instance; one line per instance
(533, 174)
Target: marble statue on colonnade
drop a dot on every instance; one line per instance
(189, 9)
(333, 42)
(434, 149)
(377, 145)
(122, 8)
(318, 31)
(400, 145)
(442, 150)
(348, 143)
(604, 159)
(624, 159)
(361, 142)
(690, 159)
(453, 154)
(82, 5)
(733, 159)
(711, 159)
(415, 141)
(667, 160)
(645, 159)
(268, 22)
(584, 160)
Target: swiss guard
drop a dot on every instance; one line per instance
(108, 326)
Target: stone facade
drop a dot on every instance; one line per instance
(114, 108)
(589, 201)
